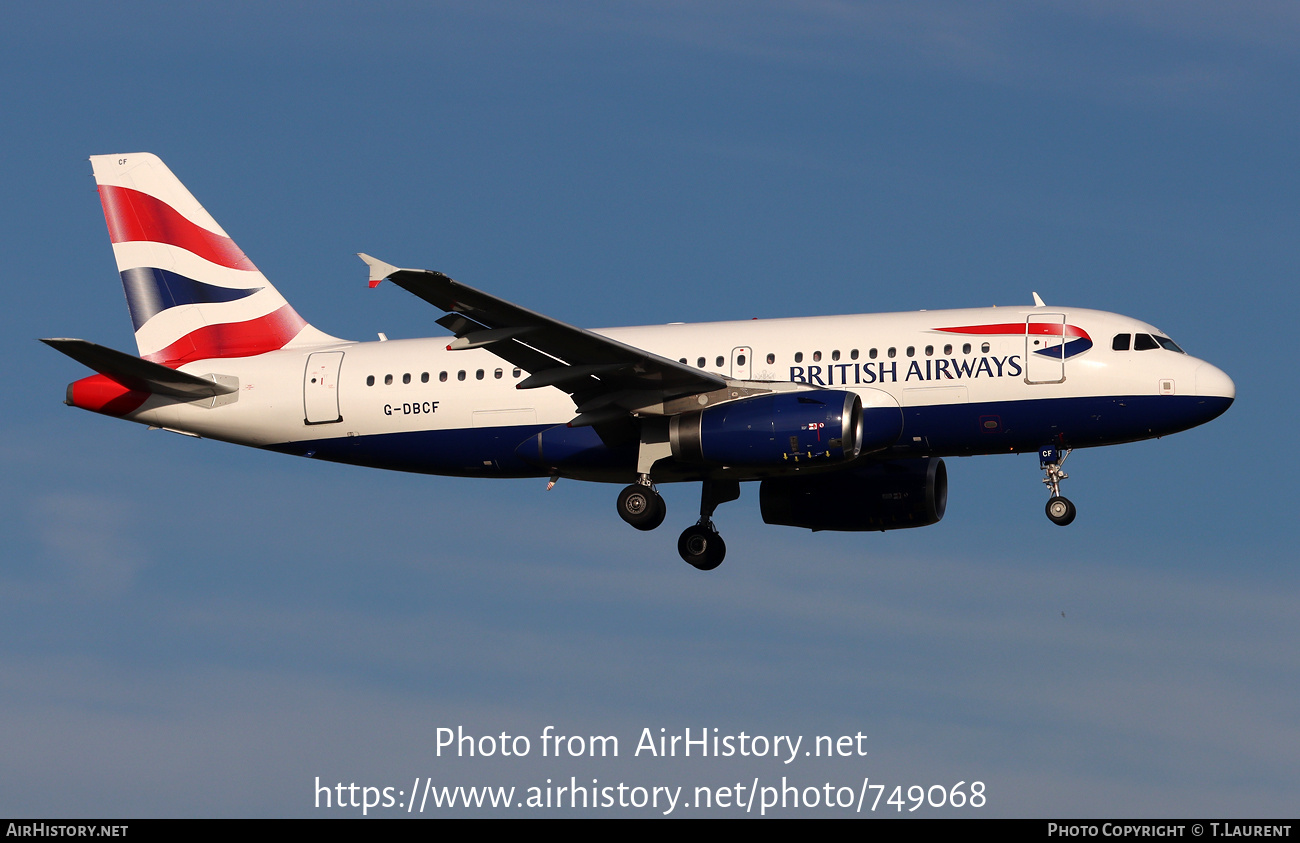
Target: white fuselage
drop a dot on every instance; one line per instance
(961, 392)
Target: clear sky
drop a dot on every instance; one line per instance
(191, 628)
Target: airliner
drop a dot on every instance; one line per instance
(843, 421)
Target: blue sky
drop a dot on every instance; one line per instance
(191, 628)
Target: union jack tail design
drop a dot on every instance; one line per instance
(192, 292)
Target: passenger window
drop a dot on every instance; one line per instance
(984, 348)
(406, 378)
(965, 349)
(1120, 343)
(817, 357)
(911, 351)
(460, 376)
(740, 360)
(424, 377)
(929, 351)
(479, 374)
(853, 355)
(771, 358)
(798, 357)
(947, 349)
(498, 374)
(872, 354)
(893, 352)
(370, 380)
(1144, 342)
(835, 355)
(516, 372)
(388, 380)
(442, 377)
(683, 360)
(700, 363)
(720, 361)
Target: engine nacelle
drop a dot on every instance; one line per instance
(784, 428)
(888, 495)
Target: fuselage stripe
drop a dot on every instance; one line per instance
(1055, 328)
(1052, 329)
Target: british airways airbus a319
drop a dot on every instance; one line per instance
(843, 420)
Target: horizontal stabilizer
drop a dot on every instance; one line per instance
(135, 373)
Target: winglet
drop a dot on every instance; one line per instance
(378, 269)
(1038, 302)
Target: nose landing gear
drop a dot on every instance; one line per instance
(1060, 510)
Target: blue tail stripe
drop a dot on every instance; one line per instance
(149, 291)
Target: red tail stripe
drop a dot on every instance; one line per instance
(233, 339)
(134, 216)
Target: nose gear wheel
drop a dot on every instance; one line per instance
(1059, 509)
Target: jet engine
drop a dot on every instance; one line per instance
(886, 495)
(783, 429)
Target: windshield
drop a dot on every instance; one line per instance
(1165, 342)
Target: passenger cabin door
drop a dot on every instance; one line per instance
(320, 392)
(1045, 348)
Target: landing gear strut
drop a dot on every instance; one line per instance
(700, 545)
(1060, 510)
(641, 505)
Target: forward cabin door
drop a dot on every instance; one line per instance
(1045, 348)
(320, 388)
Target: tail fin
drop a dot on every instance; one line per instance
(193, 294)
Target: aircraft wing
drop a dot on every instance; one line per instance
(600, 373)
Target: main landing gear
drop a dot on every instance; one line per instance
(1060, 510)
(700, 545)
(641, 505)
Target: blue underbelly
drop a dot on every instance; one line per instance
(939, 430)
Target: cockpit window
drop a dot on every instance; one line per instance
(1144, 342)
(1165, 342)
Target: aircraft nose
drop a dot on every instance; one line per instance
(1211, 381)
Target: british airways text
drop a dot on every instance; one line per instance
(942, 368)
